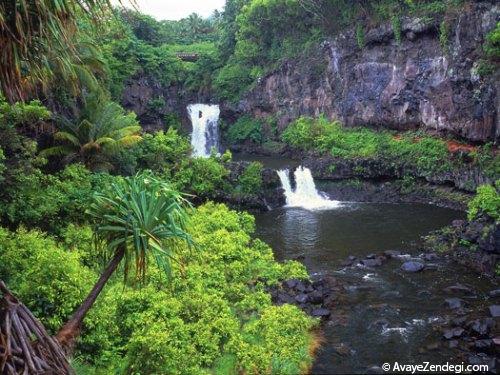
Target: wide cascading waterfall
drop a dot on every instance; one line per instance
(205, 121)
(305, 194)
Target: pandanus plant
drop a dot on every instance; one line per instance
(141, 219)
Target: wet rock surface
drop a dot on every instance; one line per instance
(318, 297)
(468, 320)
(475, 244)
(412, 266)
(383, 171)
(400, 85)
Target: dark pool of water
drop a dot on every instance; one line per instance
(327, 237)
(273, 162)
(388, 315)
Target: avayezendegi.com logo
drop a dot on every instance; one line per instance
(429, 367)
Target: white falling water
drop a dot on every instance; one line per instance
(305, 194)
(205, 121)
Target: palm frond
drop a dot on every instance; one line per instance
(141, 214)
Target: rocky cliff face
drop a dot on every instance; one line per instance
(152, 102)
(418, 82)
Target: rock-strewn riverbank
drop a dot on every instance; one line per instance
(475, 244)
(466, 320)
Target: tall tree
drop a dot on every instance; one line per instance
(141, 219)
(29, 30)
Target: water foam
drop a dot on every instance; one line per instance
(305, 194)
(205, 121)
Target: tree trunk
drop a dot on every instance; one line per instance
(71, 329)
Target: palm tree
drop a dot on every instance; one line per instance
(141, 219)
(30, 29)
(102, 129)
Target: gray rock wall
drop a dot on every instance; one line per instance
(415, 83)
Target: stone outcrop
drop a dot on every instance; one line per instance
(467, 178)
(152, 102)
(420, 82)
(475, 243)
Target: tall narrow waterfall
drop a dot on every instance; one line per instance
(305, 194)
(205, 121)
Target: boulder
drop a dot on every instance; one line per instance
(454, 332)
(412, 266)
(458, 288)
(481, 326)
(494, 293)
(455, 303)
(494, 311)
(371, 262)
(321, 313)
(301, 298)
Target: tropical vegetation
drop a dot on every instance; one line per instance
(109, 233)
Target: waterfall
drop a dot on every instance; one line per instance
(305, 194)
(205, 121)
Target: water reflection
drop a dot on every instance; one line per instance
(300, 229)
(327, 237)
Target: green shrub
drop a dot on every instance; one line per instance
(2, 165)
(25, 115)
(250, 181)
(275, 343)
(232, 81)
(307, 133)
(201, 176)
(488, 160)
(486, 201)
(44, 200)
(51, 201)
(360, 36)
(425, 153)
(396, 28)
(162, 150)
(444, 35)
(215, 311)
(193, 325)
(245, 128)
(48, 279)
(80, 239)
(19, 151)
(492, 43)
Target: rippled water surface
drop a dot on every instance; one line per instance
(387, 315)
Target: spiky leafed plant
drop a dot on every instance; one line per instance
(102, 129)
(30, 29)
(141, 219)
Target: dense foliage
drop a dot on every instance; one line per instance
(101, 129)
(37, 40)
(250, 181)
(486, 202)
(84, 191)
(245, 128)
(426, 153)
(216, 309)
